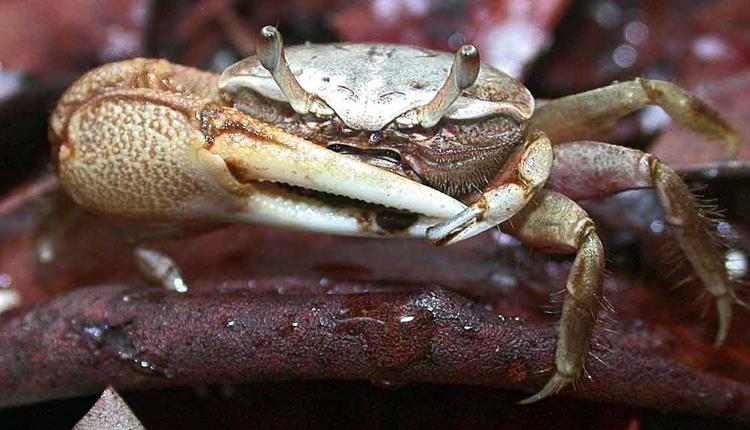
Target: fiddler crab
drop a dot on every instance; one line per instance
(375, 140)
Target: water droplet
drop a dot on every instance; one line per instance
(5, 280)
(97, 332)
(10, 83)
(657, 226)
(406, 319)
(736, 264)
(148, 367)
(504, 280)
(653, 119)
(360, 319)
(625, 56)
(295, 324)
(9, 299)
(231, 323)
(607, 14)
(635, 32)
(387, 383)
(504, 239)
(710, 48)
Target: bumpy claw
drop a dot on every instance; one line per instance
(163, 157)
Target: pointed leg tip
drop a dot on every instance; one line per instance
(724, 311)
(441, 234)
(556, 383)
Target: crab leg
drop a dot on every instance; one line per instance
(522, 176)
(159, 269)
(591, 169)
(554, 222)
(580, 116)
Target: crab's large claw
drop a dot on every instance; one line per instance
(161, 157)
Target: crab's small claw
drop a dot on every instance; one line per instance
(523, 175)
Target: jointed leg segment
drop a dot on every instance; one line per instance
(159, 269)
(522, 176)
(590, 169)
(581, 116)
(554, 222)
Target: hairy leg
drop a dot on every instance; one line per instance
(591, 169)
(580, 116)
(523, 175)
(554, 222)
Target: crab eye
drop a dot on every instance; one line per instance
(387, 154)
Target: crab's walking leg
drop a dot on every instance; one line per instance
(591, 169)
(522, 176)
(159, 269)
(556, 223)
(580, 116)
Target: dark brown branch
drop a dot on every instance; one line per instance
(143, 338)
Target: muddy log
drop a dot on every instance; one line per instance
(135, 338)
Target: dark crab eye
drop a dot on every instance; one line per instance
(341, 149)
(386, 154)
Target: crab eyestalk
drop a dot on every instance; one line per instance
(270, 47)
(463, 74)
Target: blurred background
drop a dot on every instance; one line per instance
(556, 47)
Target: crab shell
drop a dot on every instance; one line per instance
(368, 86)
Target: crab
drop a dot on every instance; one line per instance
(375, 140)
